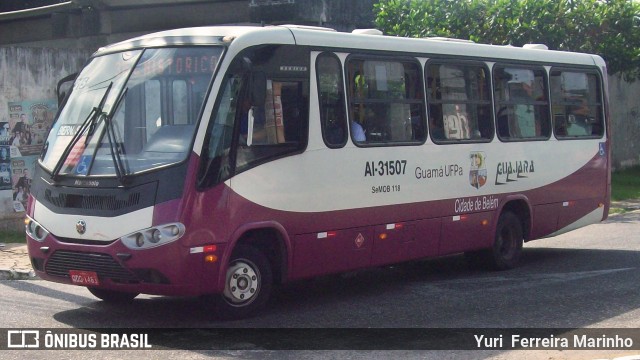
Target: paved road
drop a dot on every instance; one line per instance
(587, 278)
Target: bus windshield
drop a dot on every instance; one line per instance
(130, 112)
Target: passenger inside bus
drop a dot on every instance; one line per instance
(523, 113)
(523, 122)
(579, 120)
(436, 125)
(357, 132)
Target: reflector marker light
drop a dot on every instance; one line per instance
(395, 226)
(459, 218)
(326, 234)
(196, 250)
(203, 249)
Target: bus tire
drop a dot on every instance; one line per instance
(112, 296)
(247, 286)
(506, 249)
(507, 246)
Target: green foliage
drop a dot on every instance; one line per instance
(609, 28)
(625, 184)
(9, 236)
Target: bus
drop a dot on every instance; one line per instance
(223, 161)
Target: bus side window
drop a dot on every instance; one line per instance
(220, 136)
(386, 102)
(576, 105)
(459, 102)
(279, 120)
(279, 127)
(333, 117)
(522, 107)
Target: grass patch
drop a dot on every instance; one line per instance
(7, 236)
(617, 211)
(625, 184)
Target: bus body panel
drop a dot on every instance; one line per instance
(369, 177)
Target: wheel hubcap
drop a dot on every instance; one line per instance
(243, 282)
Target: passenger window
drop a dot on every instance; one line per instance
(576, 104)
(386, 102)
(459, 102)
(333, 117)
(522, 107)
(279, 127)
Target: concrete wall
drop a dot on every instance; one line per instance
(625, 119)
(28, 79)
(79, 25)
(342, 15)
(33, 73)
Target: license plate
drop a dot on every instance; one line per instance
(85, 278)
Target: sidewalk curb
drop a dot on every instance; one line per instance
(11, 274)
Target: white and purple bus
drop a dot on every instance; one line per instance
(221, 161)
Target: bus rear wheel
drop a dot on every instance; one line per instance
(112, 296)
(507, 245)
(247, 285)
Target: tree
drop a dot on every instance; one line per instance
(609, 28)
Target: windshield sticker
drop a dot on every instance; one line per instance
(76, 152)
(83, 165)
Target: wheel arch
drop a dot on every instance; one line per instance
(520, 206)
(271, 239)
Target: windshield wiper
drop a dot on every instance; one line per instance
(114, 147)
(114, 144)
(90, 124)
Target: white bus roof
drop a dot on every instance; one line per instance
(328, 38)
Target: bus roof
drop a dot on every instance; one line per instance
(329, 38)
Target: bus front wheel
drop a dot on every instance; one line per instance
(247, 285)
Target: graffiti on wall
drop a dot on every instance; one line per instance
(21, 140)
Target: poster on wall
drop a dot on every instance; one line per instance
(21, 170)
(5, 168)
(29, 123)
(5, 134)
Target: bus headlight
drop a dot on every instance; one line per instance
(153, 236)
(34, 230)
(156, 236)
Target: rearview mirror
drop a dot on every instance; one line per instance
(62, 94)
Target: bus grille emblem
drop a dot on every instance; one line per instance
(81, 227)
